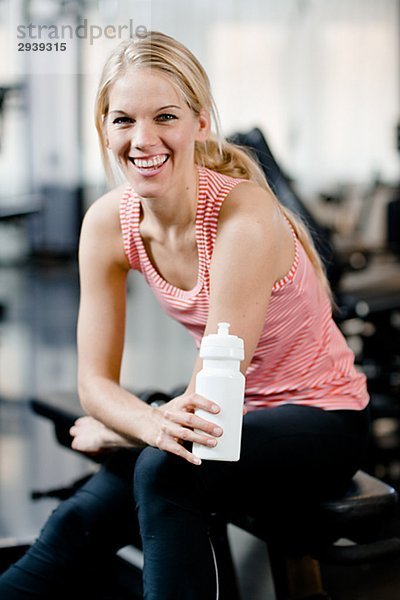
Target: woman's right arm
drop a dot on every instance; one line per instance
(103, 270)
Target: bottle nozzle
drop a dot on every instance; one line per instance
(223, 328)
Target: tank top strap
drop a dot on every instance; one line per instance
(296, 259)
(213, 189)
(129, 219)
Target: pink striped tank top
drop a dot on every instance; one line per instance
(302, 357)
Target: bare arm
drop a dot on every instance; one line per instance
(101, 323)
(253, 249)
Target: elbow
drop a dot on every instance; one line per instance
(92, 389)
(86, 393)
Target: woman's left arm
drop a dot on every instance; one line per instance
(252, 250)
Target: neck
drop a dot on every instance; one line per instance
(176, 210)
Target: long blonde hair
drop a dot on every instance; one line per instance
(173, 60)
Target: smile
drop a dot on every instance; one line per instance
(149, 163)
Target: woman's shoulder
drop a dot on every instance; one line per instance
(252, 210)
(249, 198)
(104, 211)
(101, 238)
(237, 189)
(101, 227)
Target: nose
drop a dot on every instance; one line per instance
(143, 135)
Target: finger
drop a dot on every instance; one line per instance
(198, 401)
(75, 445)
(176, 448)
(193, 421)
(188, 435)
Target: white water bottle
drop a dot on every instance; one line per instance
(221, 381)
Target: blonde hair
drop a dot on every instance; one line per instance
(173, 60)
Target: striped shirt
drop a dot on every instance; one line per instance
(301, 357)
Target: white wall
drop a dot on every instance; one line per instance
(320, 78)
(322, 84)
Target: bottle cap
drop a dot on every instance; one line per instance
(222, 344)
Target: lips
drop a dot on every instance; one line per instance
(150, 162)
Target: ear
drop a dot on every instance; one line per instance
(204, 126)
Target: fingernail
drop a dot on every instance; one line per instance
(211, 442)
(217, 430)
(215, 408)
(196, 460)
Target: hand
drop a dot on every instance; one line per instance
(92, 437)
(175, 423)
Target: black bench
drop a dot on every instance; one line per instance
(347, 530)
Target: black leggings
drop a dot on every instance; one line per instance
(292, 456)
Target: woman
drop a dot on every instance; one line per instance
(197, 218)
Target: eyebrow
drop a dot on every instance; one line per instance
(158, 109)
(169, 106)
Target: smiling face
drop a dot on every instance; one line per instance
(151, 131)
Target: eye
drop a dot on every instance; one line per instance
(166, 117)
(121, 121)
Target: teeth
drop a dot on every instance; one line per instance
(151, 162)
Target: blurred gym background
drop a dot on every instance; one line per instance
(313, 87)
